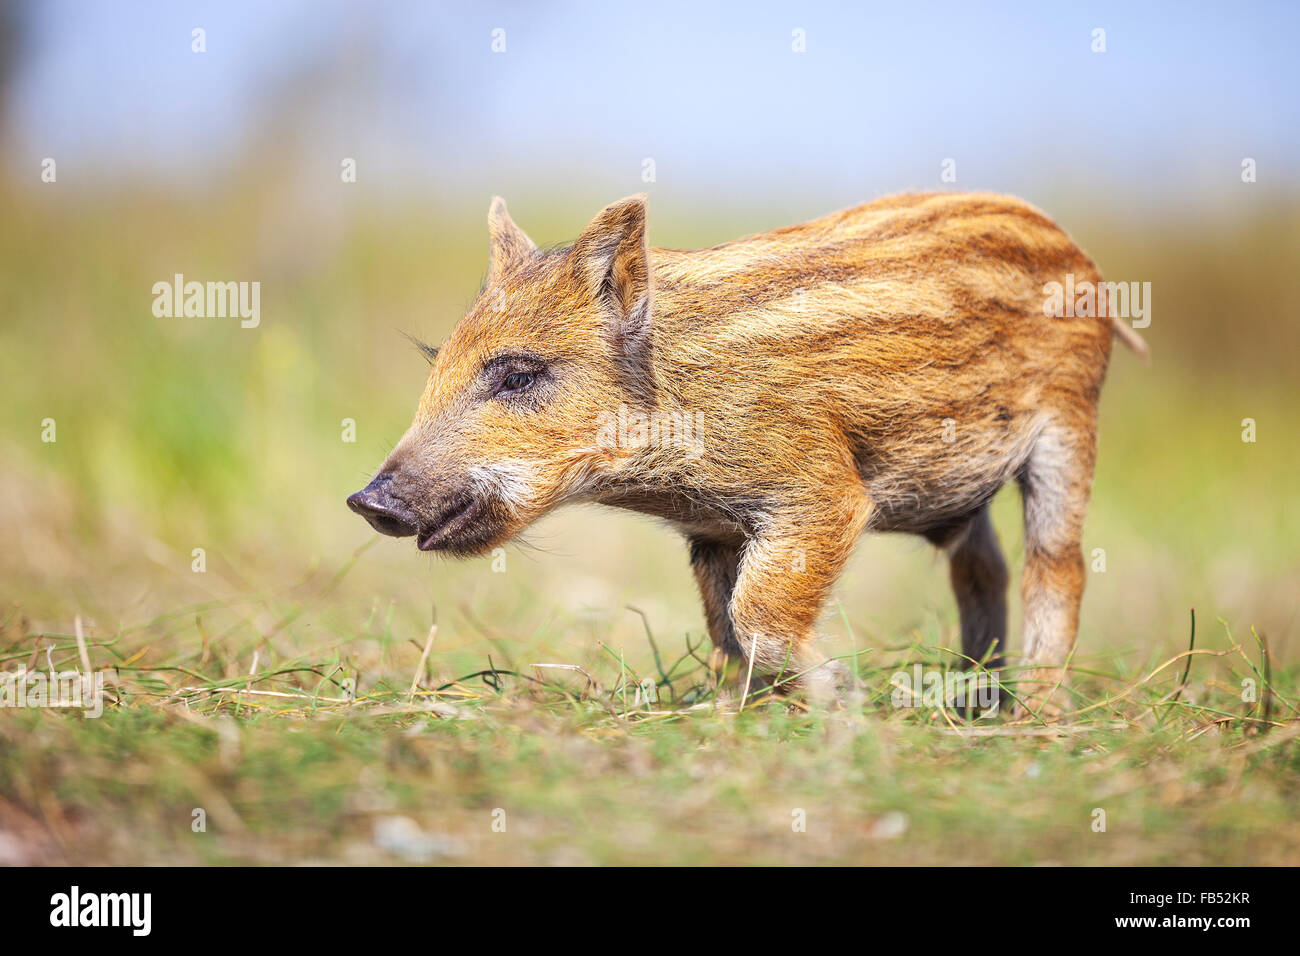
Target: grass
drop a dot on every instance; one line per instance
(274, 690)
(366, 751)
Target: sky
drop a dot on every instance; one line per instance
(717, 96)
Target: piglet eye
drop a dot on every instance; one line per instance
(516, 382)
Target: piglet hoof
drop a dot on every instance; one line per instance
(830, 685)
(1042, 693)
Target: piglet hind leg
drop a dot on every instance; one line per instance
(978, 573)
(1055, 484)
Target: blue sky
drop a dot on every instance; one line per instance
(712, 92)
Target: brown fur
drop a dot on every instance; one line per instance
(883, 368)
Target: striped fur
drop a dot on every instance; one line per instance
(883, 368)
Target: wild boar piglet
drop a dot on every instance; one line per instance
(884, 368)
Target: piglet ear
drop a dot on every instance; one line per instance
(508, 244)
(611, 258)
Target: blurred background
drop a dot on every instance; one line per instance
(1168, 145)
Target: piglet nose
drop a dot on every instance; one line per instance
(387, 514)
